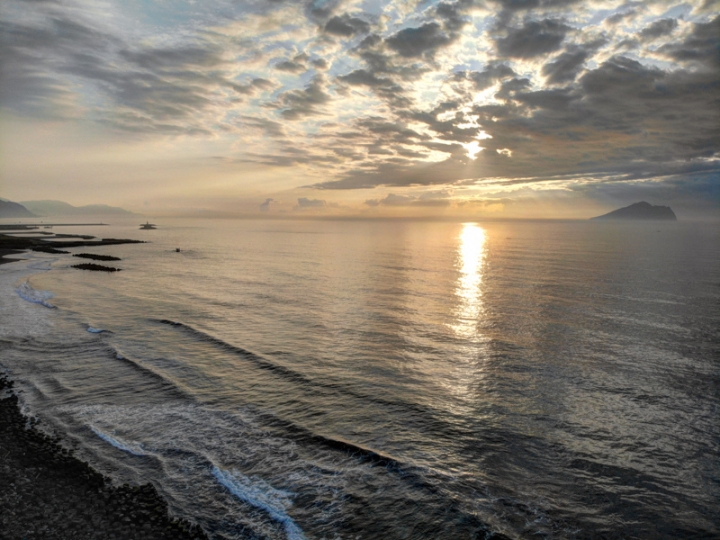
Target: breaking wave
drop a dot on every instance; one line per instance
(131, 448)
(27, 293)
(258, 493)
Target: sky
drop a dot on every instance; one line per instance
(362, 108)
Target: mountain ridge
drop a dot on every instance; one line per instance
(10, 209)
(50, 207)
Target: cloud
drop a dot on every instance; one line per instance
(614, 91)
(296, 65)
(621, 118)
(621, 16)
(433, 199)
(486, 78)
(297, 104)
(363, 77)
(255, 85)
(658, 29)
(565, 67)
(454, 15)
(346, 26)
(292, 67)
(305, 203)
(535, 38)
(320, 64)
(702, 45)
(265, 206)
(269, 127)
(415, 42)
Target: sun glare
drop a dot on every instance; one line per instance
(471, 260)
(473, 149)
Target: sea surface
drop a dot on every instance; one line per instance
(387, 380)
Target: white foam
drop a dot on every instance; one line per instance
(260, 494)
(27, 293)
(131, 448)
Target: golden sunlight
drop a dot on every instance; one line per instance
(471, 260)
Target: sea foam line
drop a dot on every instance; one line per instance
(27, 293)
(131, 449)
(260, 494)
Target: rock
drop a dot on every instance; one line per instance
(640, 211)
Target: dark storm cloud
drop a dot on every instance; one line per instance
(346, 26)
(535, 38)
(414, 42)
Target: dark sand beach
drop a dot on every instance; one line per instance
(48, 493)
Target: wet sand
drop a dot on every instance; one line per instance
(48, 493)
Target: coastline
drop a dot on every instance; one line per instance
(48, 493)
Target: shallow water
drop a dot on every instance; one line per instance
(304, 379)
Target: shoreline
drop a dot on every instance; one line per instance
(49, 493)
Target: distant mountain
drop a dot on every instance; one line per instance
(59, 208)
(641, 211)
(9, 209)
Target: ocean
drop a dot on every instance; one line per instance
(387, 379)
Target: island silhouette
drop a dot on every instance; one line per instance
(641, 211)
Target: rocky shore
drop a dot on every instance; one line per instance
(96, 267)
(47, 493)
(14, 245)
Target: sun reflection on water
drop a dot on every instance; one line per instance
(471, 260)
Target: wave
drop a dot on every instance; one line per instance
(94, 330)
(290, 374)
(157, 377)
(131, 448)
(258, 360)
(27, 293)
(258, 493)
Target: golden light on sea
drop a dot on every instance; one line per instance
(471, 254)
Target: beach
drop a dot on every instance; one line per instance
(48, 493)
